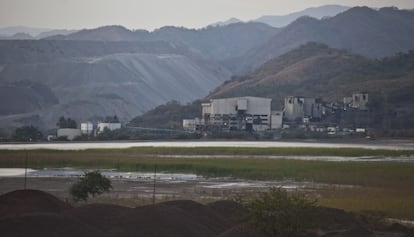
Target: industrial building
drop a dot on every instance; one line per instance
(358, 101)
(68, 133)
(300, 108)
(238, 113)
(87, 128)
(101, 126)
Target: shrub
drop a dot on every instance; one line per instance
(93, 183)
(27, 133)
(279, 214)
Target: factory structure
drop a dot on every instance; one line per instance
(87, 129)
(255, 114)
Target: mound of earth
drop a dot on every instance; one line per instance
(21, 202)
(36, 213)
(229, 210)
(241, 230)
(203, 215)
(162, 220)
(46, 224)
(100, 216)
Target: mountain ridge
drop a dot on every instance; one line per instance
(365, 31)
(315, 12)
(317, 70)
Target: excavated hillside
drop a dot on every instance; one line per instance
(87, 80)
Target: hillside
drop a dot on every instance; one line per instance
(316, 70)
(362, 30)
(217, 42)
(43, 80)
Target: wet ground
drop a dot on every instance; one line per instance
(140, 186)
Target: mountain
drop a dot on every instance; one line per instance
(227, 22)
(9, 31)
(23, 32)
(315, 70)
(216, 42)
(315, 12)
(88, 80)
(54, 32)
(17, 36)
(104, 33)
(371, 33)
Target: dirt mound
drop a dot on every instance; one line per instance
(241, 230)
(229, 210)
(101, 216)
(203, 214)
(46, 224)
(22, 202)
(333, 219)
(160, 220)
(36, 213)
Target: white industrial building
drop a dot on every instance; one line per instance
(191, 124)
(87, 128)
(69, 133)
(298, 108)
(110, 126)
(238, 113)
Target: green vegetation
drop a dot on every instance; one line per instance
(278, 214)
(66, 123)
(27, 134)
(378, 186)
(93, 183)
(377, 174)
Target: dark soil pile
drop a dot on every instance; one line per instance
(22, 202)
(35, 213)
(229, 210)
(53, 225)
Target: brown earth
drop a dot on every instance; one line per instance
(36, 213)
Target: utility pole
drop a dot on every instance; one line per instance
(155, 181)
(25, 170)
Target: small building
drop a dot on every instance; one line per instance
(191, 125)
(110, 126)
(69, 133)
(276, 119)
(87, 128)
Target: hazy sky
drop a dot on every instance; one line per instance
(150, 14)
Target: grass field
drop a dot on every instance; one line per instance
(380, 186)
